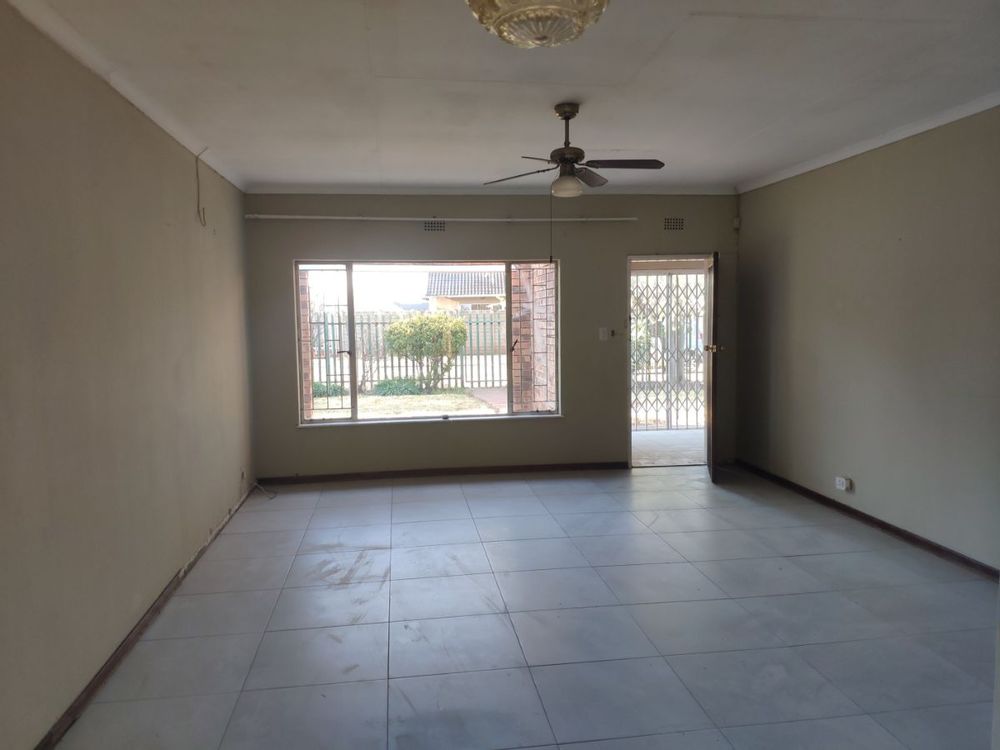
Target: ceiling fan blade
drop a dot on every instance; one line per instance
(624, 164)
(590, 177)
(523, 174)
(537, 158)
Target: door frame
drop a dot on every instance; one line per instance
(708, 258)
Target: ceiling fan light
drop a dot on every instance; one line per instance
(544, 23)
(567, 186)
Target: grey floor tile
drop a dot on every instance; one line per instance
(965, 727)
(600, 524)
(931, 607)
(288, 658)
(518, 527)
(177, 667)
(848, 732)
(779, 515)
(754, 687)
(559, 636)
(258, 544)
(280, 520)
(466, 711)
(659, 500)
(407, 490)
(702, 739)
(670, 521)
(349, 716)
(427, 533)
(973, 651)
(800, 619)
(727, 544)
(659, 582)
(327, 606)
(251, 574)
(284, 499)
(353, 566)
(700, 626)
(439, 560)
(321, 541)
(893, 673)
(348, 493)
(453, 644)
(214, 614)
(933, 568)
(857, 570)
(442, 509)
(760, 577)
(534, 554)
(626, 549)
(562, 485)
(597, 503)
(489, 487)
(163, 724)
(498, 507)
(817, 540)
(451, 596)
(554, 589)
(362, 514)
(608, 699)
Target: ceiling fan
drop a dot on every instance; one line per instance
(574, 172)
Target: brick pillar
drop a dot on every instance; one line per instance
(305, 346)
(533, 313)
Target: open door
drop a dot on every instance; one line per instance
(712, 350)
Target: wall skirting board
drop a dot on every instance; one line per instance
(938, 549)
(461, 471)
(76, 708)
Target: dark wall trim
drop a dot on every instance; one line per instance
(76, 708)
(407, 473)
(938, 549)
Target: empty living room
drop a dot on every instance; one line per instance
(499, 375)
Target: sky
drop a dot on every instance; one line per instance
(381, 286)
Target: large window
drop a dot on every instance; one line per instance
(381, 341)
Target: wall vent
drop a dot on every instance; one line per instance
(434, 225)
(673, 223)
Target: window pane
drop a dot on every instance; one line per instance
(324, 361)
(431, 339)
(534, 328)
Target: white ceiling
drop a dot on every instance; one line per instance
(413, 96)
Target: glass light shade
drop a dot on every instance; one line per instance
(545, 23)
(567, 186)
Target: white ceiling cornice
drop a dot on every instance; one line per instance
(981, 104)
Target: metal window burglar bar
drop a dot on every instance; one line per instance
(343, 354)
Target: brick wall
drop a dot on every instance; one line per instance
(305, 346)
(534, 327)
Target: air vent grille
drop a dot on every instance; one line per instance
(673, 223)
(434, 225)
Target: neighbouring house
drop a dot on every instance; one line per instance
(465, 290)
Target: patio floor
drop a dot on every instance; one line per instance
(668, 447)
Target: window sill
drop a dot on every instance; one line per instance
(429, 420)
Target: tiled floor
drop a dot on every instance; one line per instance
(668, 448)
(644, 610)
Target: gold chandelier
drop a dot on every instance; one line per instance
(548, 23)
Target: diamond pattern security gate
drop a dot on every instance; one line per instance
(668, 340)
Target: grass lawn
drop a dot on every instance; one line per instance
(452, 403)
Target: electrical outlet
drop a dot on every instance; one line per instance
(844, 484)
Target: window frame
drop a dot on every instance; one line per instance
(353, 419)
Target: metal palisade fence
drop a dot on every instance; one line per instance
(481, 363)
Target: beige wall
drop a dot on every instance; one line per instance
(123, 390)
(594, 289)
(870, 332)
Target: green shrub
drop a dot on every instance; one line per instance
(397, 387)
(431, 341)
(327, 390)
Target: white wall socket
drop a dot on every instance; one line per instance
(845, 484)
